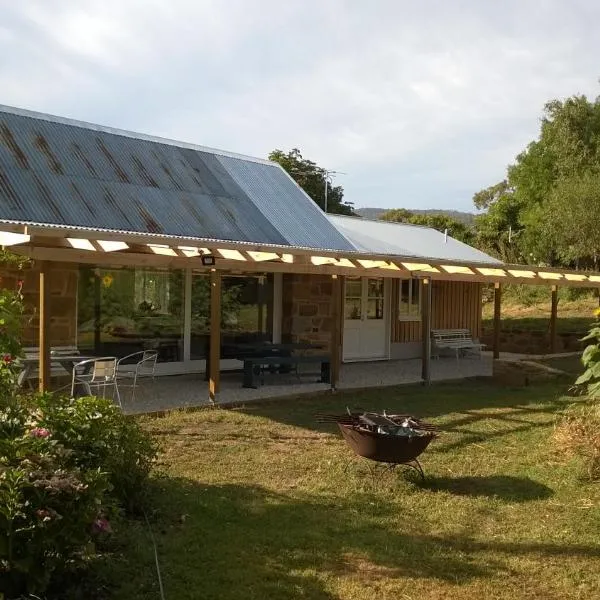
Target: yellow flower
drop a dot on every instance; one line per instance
(107, 280)
(597, 312)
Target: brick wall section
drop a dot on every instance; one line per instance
(307, 309)
(63, 302)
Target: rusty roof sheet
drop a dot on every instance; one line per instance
(58, 172)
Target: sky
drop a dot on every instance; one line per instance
(416, 104)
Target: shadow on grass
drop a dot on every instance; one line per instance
(505, 487)
(233, 541)
(438, 400)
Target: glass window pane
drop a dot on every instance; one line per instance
(375, 288)
(375, 308)
(416, 295)
(122, 311)
(353, 287)
(404, 307)
(200, 329)
(352, 309)
(244, 309)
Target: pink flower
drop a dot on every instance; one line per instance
(46, 514)
(101, 525)
(39, 432)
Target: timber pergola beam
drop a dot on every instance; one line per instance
(127, 249)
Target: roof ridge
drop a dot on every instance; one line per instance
(32, 114)
(384, 222)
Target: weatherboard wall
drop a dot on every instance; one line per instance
(455, 305)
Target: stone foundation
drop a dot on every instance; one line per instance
(533, 342)
(307, 309)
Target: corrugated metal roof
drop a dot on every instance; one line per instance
(65, 173)
(403, 239)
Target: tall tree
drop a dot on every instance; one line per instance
(548, 200)
(441, 222)
(313, 180)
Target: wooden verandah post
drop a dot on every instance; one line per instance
(44, 328)
(426, 332)
(336, 330)
(553, 316)
(214, 367)
(497, 315)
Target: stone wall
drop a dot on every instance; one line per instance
(532, 342)
(307, 309)
(63, 302)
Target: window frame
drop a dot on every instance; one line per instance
(414, 310)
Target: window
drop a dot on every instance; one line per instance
(409, 305)
(353, 306)
(375, 299)
(246, 312)
(126, 310)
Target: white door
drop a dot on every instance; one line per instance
(365, 319)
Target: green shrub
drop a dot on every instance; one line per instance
(11, 321)
(591, 360)
(526, 295)
(578, 430)
(66, 467)
(102, 437)
(48, 507)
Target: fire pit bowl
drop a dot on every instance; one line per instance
(391, 439)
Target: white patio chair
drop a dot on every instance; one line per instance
(96, 373)
(144, 366)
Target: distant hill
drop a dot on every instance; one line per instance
(463, 217)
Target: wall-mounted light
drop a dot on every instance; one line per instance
(208, 260)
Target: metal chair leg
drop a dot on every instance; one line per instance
(118, 395)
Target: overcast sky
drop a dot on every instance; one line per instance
(420, 103)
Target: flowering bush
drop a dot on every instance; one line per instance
(47, 505)
(67, 469)
(11, 320)
(101, 437)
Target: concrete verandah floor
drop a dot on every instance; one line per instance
(182, 391)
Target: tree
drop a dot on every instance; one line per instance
(397, 215)
(548, 201)
(313, 179)
(571, 219)
(441, 222)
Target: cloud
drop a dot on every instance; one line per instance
(421, 104)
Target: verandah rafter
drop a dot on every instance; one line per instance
(95, 251)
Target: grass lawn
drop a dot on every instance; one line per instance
(574, 316)
(569, 364)
(262, 503)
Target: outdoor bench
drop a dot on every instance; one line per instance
(254, 366)
(458, 341)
